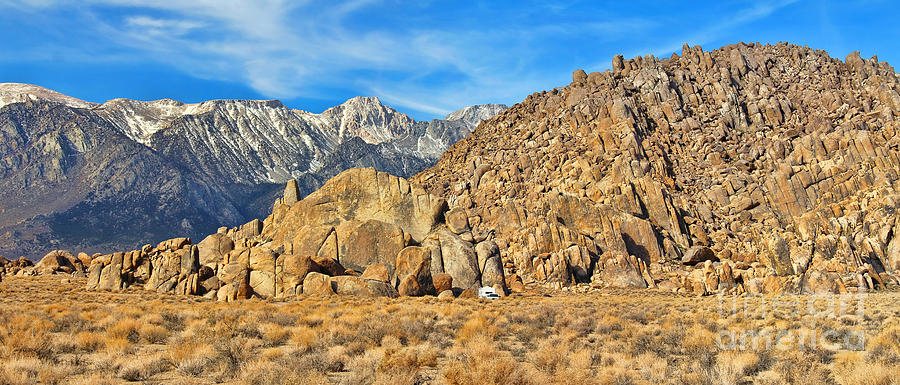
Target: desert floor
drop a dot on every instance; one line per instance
(53, 331)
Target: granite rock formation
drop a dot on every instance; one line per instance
(750, 168)
(365, 233)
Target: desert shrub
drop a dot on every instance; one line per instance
(234, 352)
(280, 318)
(70, 322)
(885, 346)
(853, 368)
(172, 321)
(125, 328)
(731, 367)
(188, 358)
(31, 370)
(478, 327)
(142, 369)
(264, 372)
(153, 334)
(481, 363)
(274, 334)
(404, 364)
(801, 368)
(609, 324)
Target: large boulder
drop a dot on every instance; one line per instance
(493, 273)
(362, 243)
(111, 274)
(415, 261)
(291, 193)
(378, 272)
(294, 269)
(314, 240)
(262, 283)
(213, 248)
(457, 220)
(58, 261)
(409, 286)
(357, 286)
(317, 284)
(698, 254)
(330, 266)
(442, 282)
(458, 258)
(237, 275)
(485, 250)
(620, 270)
(361, 195)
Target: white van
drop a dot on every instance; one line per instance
(488, 293)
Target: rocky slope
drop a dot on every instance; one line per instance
(750, 168)
(97, 177)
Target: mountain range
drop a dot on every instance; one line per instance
(88, 176)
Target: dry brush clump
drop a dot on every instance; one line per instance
(66, 335)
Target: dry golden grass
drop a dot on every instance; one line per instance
(57, 333)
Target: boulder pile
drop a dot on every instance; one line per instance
(21, 267)
(363, 233)
(751, 168)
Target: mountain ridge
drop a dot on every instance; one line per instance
(224, 158)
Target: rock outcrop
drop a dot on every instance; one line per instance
(361, 221)
(751, 168)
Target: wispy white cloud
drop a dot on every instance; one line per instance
(289, 49)
(705, 34)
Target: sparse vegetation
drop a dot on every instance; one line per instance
(68, 335)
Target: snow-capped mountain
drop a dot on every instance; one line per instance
(136, 170)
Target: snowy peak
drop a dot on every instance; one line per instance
(139, 120)
(473, 115)
(19, 93)
(366, 118)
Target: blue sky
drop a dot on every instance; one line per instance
(425, 58)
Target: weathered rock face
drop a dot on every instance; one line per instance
(361, 221)
(59, 261)
(777, 160)
(359, 194)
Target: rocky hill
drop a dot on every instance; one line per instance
(109, 176)
(750, 168)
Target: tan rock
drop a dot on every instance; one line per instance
(330, 266)
(263, 283)
(212, 249)
(416, 261)
(377, 272)
(361, 195)
(442, 282)
(698, 254)
(347, 285)
(458, 259)
(457, 220)
(361, 244)
(317, 284)
(468, 294)
(291, 193)
(493, 273)
(409, 286)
